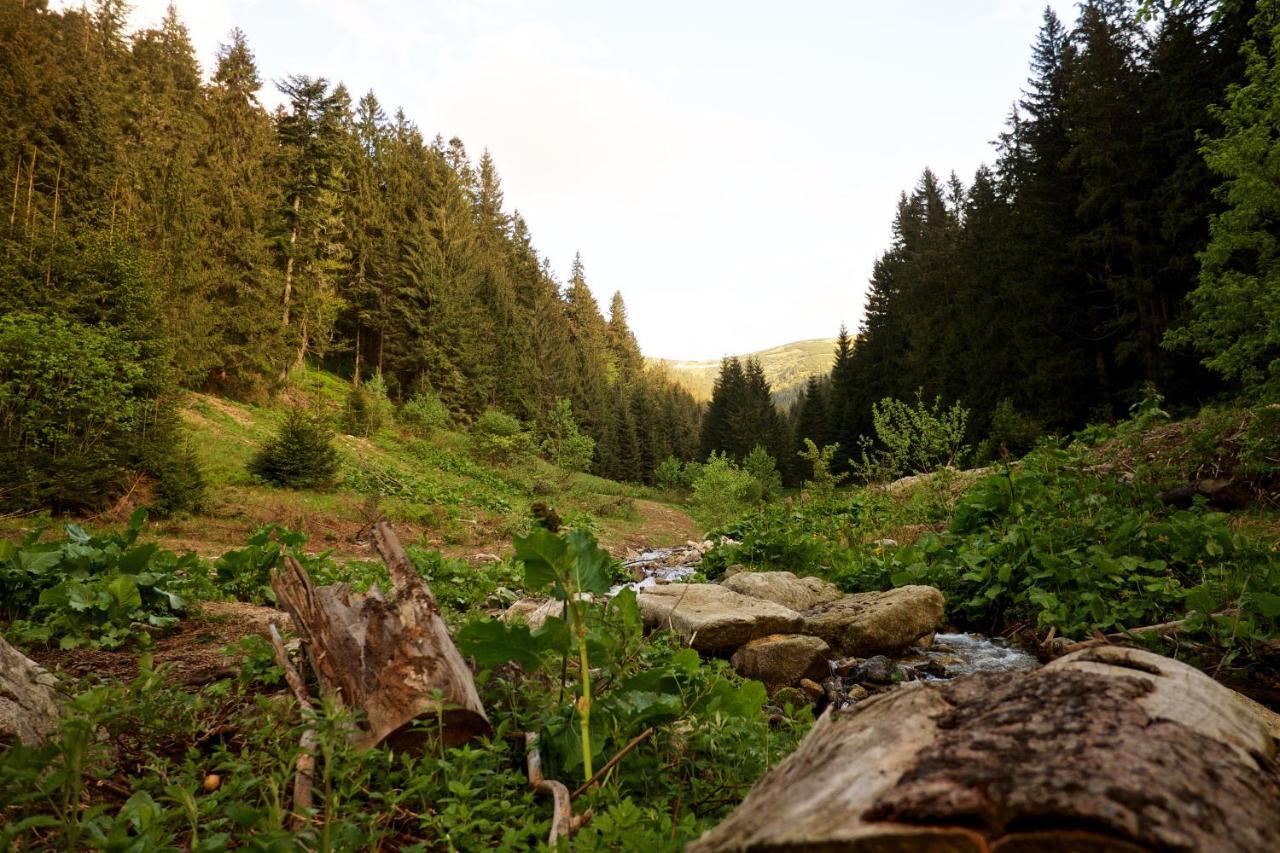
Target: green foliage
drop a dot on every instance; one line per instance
(722, 492)
(79, 417)
(763, 469)
(424, 413)
(912, 439)
(822, 482)
(101, 591)
(301, 456)
(1051, 543)
(675, 475)
(563, 444)
(367, 408)
(245, 574)
(1235, 322)
(1013, 433)
(498, 438)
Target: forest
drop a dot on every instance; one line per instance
(332, 519)
(187, 238)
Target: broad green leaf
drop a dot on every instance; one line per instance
(125, 591)
(546, 559)
(493, 642)
(135, 560)
(592, 564)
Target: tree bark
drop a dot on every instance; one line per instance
(29, 698)
(1108, 749)
(390, 658)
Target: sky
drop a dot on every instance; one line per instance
(731, 167)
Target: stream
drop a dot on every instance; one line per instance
(949, 656)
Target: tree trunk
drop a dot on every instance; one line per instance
(29, 699)
(390, 658)
(288, 261)
(1107, 749)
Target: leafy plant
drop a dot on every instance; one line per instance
(368, 409)
(301, 456)
(100, 591)
(245, 574)
(564, 445)
(498, 437)
(912, 439)
(763, 469)
(722, 491)
(822, 482)
(424, 413)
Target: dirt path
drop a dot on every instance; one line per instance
(660, 526)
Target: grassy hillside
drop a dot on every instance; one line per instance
(787, 368)
(431, 487)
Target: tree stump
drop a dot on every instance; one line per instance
(390, 658)
(1107, 749)
(29, 698)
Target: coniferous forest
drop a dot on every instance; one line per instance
(1123, 239)
(224, 245)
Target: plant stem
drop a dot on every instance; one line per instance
(584, 704)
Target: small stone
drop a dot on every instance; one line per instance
(885, 543)
(793, 696)
(735, 569)
(845, 666)
(926, 641)
(812, 689)
(212, 782)
(877, 670)
(857, 693)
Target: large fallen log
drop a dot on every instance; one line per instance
(1107, 749)
(390, 658)
(29, 700)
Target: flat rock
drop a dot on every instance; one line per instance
(782, 660)
(876, 623)
(784, 588)
(712, 618)
(534, 612)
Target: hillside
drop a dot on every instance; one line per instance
(787, 367)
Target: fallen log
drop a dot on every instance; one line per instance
(29, 699)
(1108, 749)
(389, 658)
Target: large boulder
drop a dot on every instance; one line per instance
(711, 618)
(876, 623)
(30, 705)
(784, 588)
(1107, 750)
(782, 660)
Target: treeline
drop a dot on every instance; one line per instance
(1124, 240)
(242, 242)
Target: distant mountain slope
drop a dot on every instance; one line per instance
(787, 368)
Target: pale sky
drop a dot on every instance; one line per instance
(731, 167)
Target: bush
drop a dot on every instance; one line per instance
(723, 491)
(674, 475)
(80, 418)
(912, 439)
(368, 409)
(822, 482)
(764, 471)
(301, 456)
(564, 445)
(424, 413)
(1012, 433)
(102, 591)
(498, 437)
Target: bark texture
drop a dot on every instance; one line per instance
(390, 658)
(1108, 749)
(29, 699)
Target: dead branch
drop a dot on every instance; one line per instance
(304, 781)
(613, 762)
(563, 821)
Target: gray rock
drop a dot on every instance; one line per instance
(711, 618)
(874, 623)
(875, 670)
(782, 659)
(783, 588)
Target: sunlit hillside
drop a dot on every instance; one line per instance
(787, 368)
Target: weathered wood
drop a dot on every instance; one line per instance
(29, 699)
(1109, 749)
(563, 821)
(304, 778)
(390, 658)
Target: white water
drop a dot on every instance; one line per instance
(961, 654)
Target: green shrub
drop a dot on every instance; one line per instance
(498, 438)
(912, 439)
(80, 418)
(301, 456)
(674, 475)
(101, 591)
(763, 469)
(722, 492)
(1012, 433)
(245, 574)
(368, 409)
(563, 444)
(424, 413)
(822, 482)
